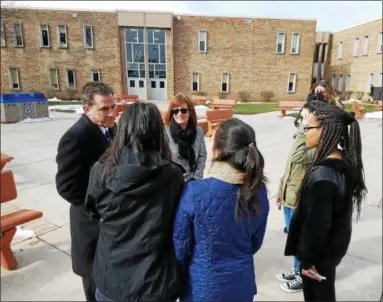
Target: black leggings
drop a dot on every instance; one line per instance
(324, 290)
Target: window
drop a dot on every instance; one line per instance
(202, 41)
(17, 35)
(44, 36)
(62, 38)
(14, 80)
(70, 78)
(292, 82)
(195, 82)
(316, 54)
(95, 75)
(381, 80)
(280, 43)
(295, 43)
(348, 82)
(225, 78)
(53, 79)
(365, 46)
(333, 79)
(3, 44)
(141, 84)
(132, 83)
(356, 47)
(380, 43)
(162, 84)
(134, 53)
(88, 36)
(340, 83)
(371, 79)
(340, 50)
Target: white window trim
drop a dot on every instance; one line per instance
(93, 71)
(298, 41)
(295, 82)
(365, 46)
(50, 79)
(3, 40)
(381, 79)
(340, 83)
(340, 50)
(67, 78)
(199, 41)
(41, 37)
(356, 48)
(197, 73)
(58, 36)
(14, 35)
(283, 44)
(380, 42)
(348, 82)
(228, 81)
(11, 79)
(84, 33)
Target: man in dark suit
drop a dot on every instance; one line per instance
(79, 148)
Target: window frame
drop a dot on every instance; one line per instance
(333, 80)
(379, 46)
(348, 83)
(14, 35)
(355, 53)
(50, 79)
(298, 43)
(41, 36)
(92, 73)
(294, 83)
(199, 40)
(67, 78)
(198, 82)
(3, 42)
(58, 36)
(340, 83)
(283, 44)
(10, 78)
(365, 45)
(228, 82)
(340, 50)
(92, 36)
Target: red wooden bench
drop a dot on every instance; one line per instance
(199, 100)
(358, 109)
(215, 117)
(222, 104)
(9, 222)
(127, 98)
(4, 160)
(290, 105)
(380, 104)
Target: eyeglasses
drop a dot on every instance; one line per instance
(182, 110)
(306, 129)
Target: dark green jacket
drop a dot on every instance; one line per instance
(297, 164)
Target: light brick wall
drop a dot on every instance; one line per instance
(247, 52)
(361, 66)
(33, 62)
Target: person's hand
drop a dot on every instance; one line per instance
(279, 203)
(307, 273)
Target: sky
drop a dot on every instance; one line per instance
(330, 15)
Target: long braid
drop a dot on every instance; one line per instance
(335, 122)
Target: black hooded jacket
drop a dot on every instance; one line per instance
(135, 206)
(320, 230)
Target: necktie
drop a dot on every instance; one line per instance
(108, 136)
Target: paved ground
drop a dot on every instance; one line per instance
(45, 273)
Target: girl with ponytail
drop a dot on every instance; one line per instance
(221, 219)
(334, 186)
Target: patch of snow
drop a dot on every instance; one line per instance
(54, 100)
(35, 120)
(74, 108)
(24, 233)
(374, 115)
(288, 118)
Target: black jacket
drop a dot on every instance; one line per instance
(79, 148)
(320, 230)
(135, 258)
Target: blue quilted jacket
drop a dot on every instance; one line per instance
(214, 251)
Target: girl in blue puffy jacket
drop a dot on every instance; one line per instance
(221, 220)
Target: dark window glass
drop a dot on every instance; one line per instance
(129, 54)
(130, 35)
(141, 84)
(195, 86)
(162, 54)
(150, 35)
(132, 83)
(138, 53)
(45, 38)
(159, 36)
(162, 84)
(224, 87)
(153, 84)
(153, 53)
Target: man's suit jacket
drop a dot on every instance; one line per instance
(79, 149)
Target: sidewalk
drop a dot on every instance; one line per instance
(45, 271)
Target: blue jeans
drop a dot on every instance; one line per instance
(288, 214)
(101, 297)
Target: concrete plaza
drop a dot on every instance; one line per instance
(45, 271)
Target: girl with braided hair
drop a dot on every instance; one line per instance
(320, 230)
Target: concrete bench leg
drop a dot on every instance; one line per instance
(8, 260)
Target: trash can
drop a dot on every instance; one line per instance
(10, 109)
(41, 105)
